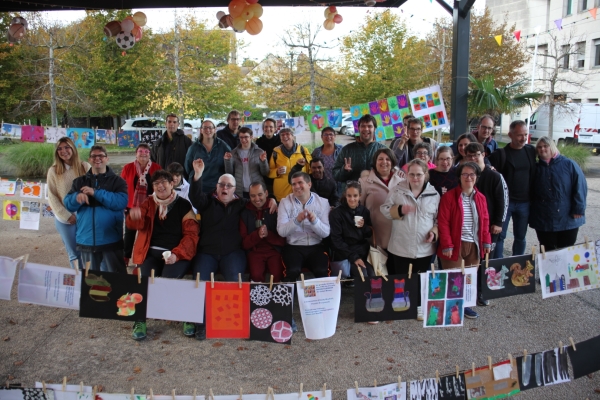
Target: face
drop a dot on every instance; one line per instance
(475, 157)
(65, 152)
(352, 197)
(99, 160)
(317, 170)
(142, 155)
(245, 140)
(518, 137)
(367, 131)
(269, 129)
(287, 139)
(176, 180)
(444, 162)
(423, 154)
(485, 129)
(328, 137)
(225, 189)
(467, 178)
(416, 177)
(207, 130)
(544, 151)
(383, 165)
(414, 131)
(258, 196)
(461, 146)
(162, 188)
(172, 124)
(234, 121)
(300, 187)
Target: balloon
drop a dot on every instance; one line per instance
(140, 18)
(17, 31)
(20, 20)
(239, 24)
(223, 22)
(332, 9)
(247, 14)
(327, 12)
(11, 39)
(251, 1)
(127, 25)
(338, 18)
(125, 40)
(331, 16)
(220, 14)
(112, 28)
(138, 35)
(236, 7)
(254, 26)
(123, 53)
(328, 24)
(256, 9)
(135, 30)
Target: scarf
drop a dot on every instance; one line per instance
(164, 206)
(288, 153)
(141, 187)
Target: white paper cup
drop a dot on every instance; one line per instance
(284, 169)
(166, 254)
(357, 219)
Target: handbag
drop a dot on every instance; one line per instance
(378, 258)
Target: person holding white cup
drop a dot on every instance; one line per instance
(284, 157)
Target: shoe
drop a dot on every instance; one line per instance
(189, 328)
(470, 313)
(348, 284)
(139, 331)
(373, 322)
(481, 302)
(200, 332)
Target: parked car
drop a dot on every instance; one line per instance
(347, 126)
(143, 122)
(277, 115)
(573, 122)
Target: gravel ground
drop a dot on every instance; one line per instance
(42, 343)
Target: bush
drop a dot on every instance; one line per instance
(579, 154)
(29, 160)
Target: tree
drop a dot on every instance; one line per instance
(486, 98)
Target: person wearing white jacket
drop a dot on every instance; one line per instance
(303, 220)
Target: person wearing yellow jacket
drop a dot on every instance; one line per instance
(284, 157)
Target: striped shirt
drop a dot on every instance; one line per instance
(467, 227)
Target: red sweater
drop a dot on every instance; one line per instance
(130, 176)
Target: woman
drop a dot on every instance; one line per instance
(375, 188)
(443, 176)
(284, 157)
(349, 237)
(461, 143)
(212, 151)
(464, 223)
(328, 152)
(167, 237)
(558, 197)
(423, 152)
(67, 166)
(247, 163)
(267, 142)
(139, 186)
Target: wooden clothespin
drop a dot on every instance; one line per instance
(437, 376)
(572, 343)
(532, 253)
(560, 347)
(271, 283)
(325, 387)
(173, 394)
(457, 372)
(490, 362)
(212, 280)
(193, 395)
(94, 391)
(587, 242)
(524, 352)
(462, 266)
(543, 249)
(301, 391)
(339, 277)
(240, 280)
(44, 386)
(382, 275)
(81, 386)
(510, 359)
(64, 387)
(87, 268)
(210, 392)
(302, 279)
(197, 280)
(152, 276)
(21, 261)
(139, 275)
(374, 382)
(487, 260)
(362, 277)
(409, 270)
(473, 369)
(241, 394)
(432, 270)
(399, 382)
(151, 394)
(132, 394)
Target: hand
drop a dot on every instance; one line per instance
(262, 232)
(430, 237)
(301, 161)
(312, 217)
(360, 263)
(348, 164)
(281, 170)
(360, 223)
(301, 216)
(401, 173)
(87, 190)
(495, 229)
(172, 259)
(135, 214)
(263, 156)
(72, 219)
(198, 165)
(82, 198)
(577, 216)
(227, 156)
(448, 253)
(407, 209)
(403, 140)
(486, 250)
(444, 190)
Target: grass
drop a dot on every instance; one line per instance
(579, 154)
(30, 160)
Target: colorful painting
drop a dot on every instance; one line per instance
(106, 136)
(323, 119)
(83, 138)
(568, 270)
(7, 188)
(499, 382)
(444, 301)
(31, 133)
(586, 358)
(129, 139)
(509, 276)
(47, 211)
(11, 210)
(376, 299)
(32, 190)
(428, 106)
(10, 130)
(151, 135)
(271, 313)
(388, 113)
(227, 310)
(53, 134)
(385, 392)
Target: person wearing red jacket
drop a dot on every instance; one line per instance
(259, 236)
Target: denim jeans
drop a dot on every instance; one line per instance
(67, 234)
(105, 261)
(519, 211)
(230, 265)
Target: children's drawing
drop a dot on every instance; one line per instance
(437, 286)
(11, 210)
(53, 134)
(495, 279)
(127, 302)
(454, 312)
(435, 313)
(323, 119)
(499, 382)
(227, 310)
(376, 299)
(522, 276)
(271, 313)
(385, 392)
(10, 130)
(83, 138)
(151, 135)
(32, 190)
(425, 389)
(7, 188)
(555, 367)
(388, 114)
(509, 276)
(428, 106)
(129, 139)
(445, 298)
(452, 387)
(47, 211)
(31, 133)
(456, 284)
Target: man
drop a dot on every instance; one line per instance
(484, 134)
(404, 122)
(99, 198)
(516, 163)
(304, 221)
(320, 184)
(172, 146)
(358, 156)
(229, 134)
(403, 148)
(260, 239)
(268, 141)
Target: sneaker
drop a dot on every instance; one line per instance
(200, 332)
(420, 313)
(189, 328)
(373, 322)
(481, 302)
(470, 313)
(139, 331)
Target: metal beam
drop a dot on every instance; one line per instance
(445, 6)
(460, 70)
(465, 7)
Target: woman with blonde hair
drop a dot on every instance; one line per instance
(67, 166)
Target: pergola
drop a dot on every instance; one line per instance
(460, 12)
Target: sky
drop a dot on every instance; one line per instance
(418, 14)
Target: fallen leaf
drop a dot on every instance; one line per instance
(308, 340)
(161, 371)
(590, 376)
(69, 343)
(130, 378)
(166, 341)
(12, 322)
(390, 359)
(240, 348)
(389, 368)
(217, 344)
(425, 341)
(356, 363)
(359, 331)
(473, 329)
(17, 363)
(355, 356)
(287, 346)
(5, 339)
(508, 316)
(100, 388)
(53, 325)
(10, 377)
(264, 346)
(597, 390)
(395, 332)
(137, 370)
(92, 336)
(94, 355)
(388, 322)
(36, 247)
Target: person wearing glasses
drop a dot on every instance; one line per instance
(268, 141)
(172, 146)
(423, 152)
(212, 151)
(485, 134)
(247, 163)
(284, 157)
(403, 148)
(99, 198)
(165, 222)
(443, 176)
(328, 153)
(139, 186)
(67, 166)
(230, 134)
(464, 224)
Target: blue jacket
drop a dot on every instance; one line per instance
(214, 164)
(559, 191)
(99, 224)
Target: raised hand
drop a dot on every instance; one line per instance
(348, 164)
(227, 156)
(263, 156)
(198, 165)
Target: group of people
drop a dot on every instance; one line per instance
(272, 206)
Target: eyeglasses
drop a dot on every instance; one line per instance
(448, 159)
(468, 176)
(100, 156)
(418, 176)
(328, 135)
(208, 128)
(225, 185)
(64, 148)
(244, 137)
(162, 182)
(472, 156)
(143, 151)
(422, 153)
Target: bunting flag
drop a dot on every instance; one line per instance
(517, 35)
(558, 23)
(498, 39)
(593, 11)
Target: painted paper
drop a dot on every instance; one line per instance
(168, 300)
(586, 358)
(483, 386)
(129, 139)
(59, 387)
(470, 287)
(555, 367)
(11, 210)
(428, 105)
(30, 215)
(445, 293)
(8, 267)
(305, 395)
(108, 295)
(271, 313)
(451, 387)
(509, 276)
(83, 138)
(181, 397)
(106, 136)
(32, 190)
(10, 130)
(425, 389)
(49, 286)
(227, 310)
(376, 299)
(25, 394)
(529, 370)
(7, 188)
(319, 302)
(569, 270)
(110, 396)
(53, 134)
(47, 211)
(388, 113)
(323, 119)
(151, 135)
(31, 133)
(385, 392)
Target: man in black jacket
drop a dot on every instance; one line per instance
(321, 185)
(172, 146)
(268, 141)
(229, 134)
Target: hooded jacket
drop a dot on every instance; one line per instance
(257, 168)
(165, 151)
(347, 240)
(281, 186)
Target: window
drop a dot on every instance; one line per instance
(597, 53)
(565, 58)
(576, 101)
(592, 100)
(569, 7)
(580, 54)
(584, 4)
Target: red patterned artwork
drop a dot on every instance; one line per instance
(228, 311)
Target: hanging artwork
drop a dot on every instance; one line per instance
(305, 395)
(452, 387)
(11, 210)
(53, 134)
(555, 366)
(387, 112)
(423, 389)
(390, 392)
(10, 130)
(585, 358)
(568, 270)
(59, 387)
(166, 297)
(529, 370)
(376, 299)
(319, 302)
(31, 133)
(108, 295)
(49, 286)
(509, 276)
(445, 293)
(47, 211)
(271, 313)
(428, 106)
(496, 383)
(30, 215)
(8, 267)
(25, 394)
(83, 138)
(324, 119)
(7, 188)
(105, 136)
(151, 135)
(110, 396)
(32, 190)
(227, 310)
(129, 139)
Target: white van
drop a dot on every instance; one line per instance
(573, 122)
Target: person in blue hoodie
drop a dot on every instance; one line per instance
(99, 198)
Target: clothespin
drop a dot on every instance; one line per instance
(490, 362)
(473, 369)
(197, 280)
(212, 280)
(193, 396)
(399, 382)
(132, 394)
(81, 386)
(240, 280)
(76, 265)
(64, 387)
(339, 277)
(139, 275)
(241, 394)
(271, 283)
(362, 277)
(324, 390)
(151, 394)
(572, 343)
(462, 266)
(432, 271)
(22, 260)
(301, 391)
(44, 387)
(380, 274)
(409, 270)
(533, 253)
(302, 279)
(543, 249)
(587, 243)
(356, 387)
(173, 394)
(560, 347)
(457, 372)
(524, 352)
(152, 276)
(437, 376)
(510, 358)
(374, 382)
(95, 390)
(210, 392)
(487, 260)
(87, 268)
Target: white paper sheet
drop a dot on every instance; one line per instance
(176, 300)
(30, 215)
(391, 391)
(49, 286)
(319, 303)
(470, 287)
(69, 388)
(8, 267)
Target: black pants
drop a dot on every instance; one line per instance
(557, 240)
(399, 265)
(313, 258)
(154, 261)
(129, 240)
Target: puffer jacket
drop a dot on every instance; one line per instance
(410, 231)
(347, 240)
(559, 192)
(235, 167)
(165, 151)
(362, 159)
(281, 186)
(214, 164)
(99, 223)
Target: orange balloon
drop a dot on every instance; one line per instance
(254, 26)
(236, 8)
(329, 24)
